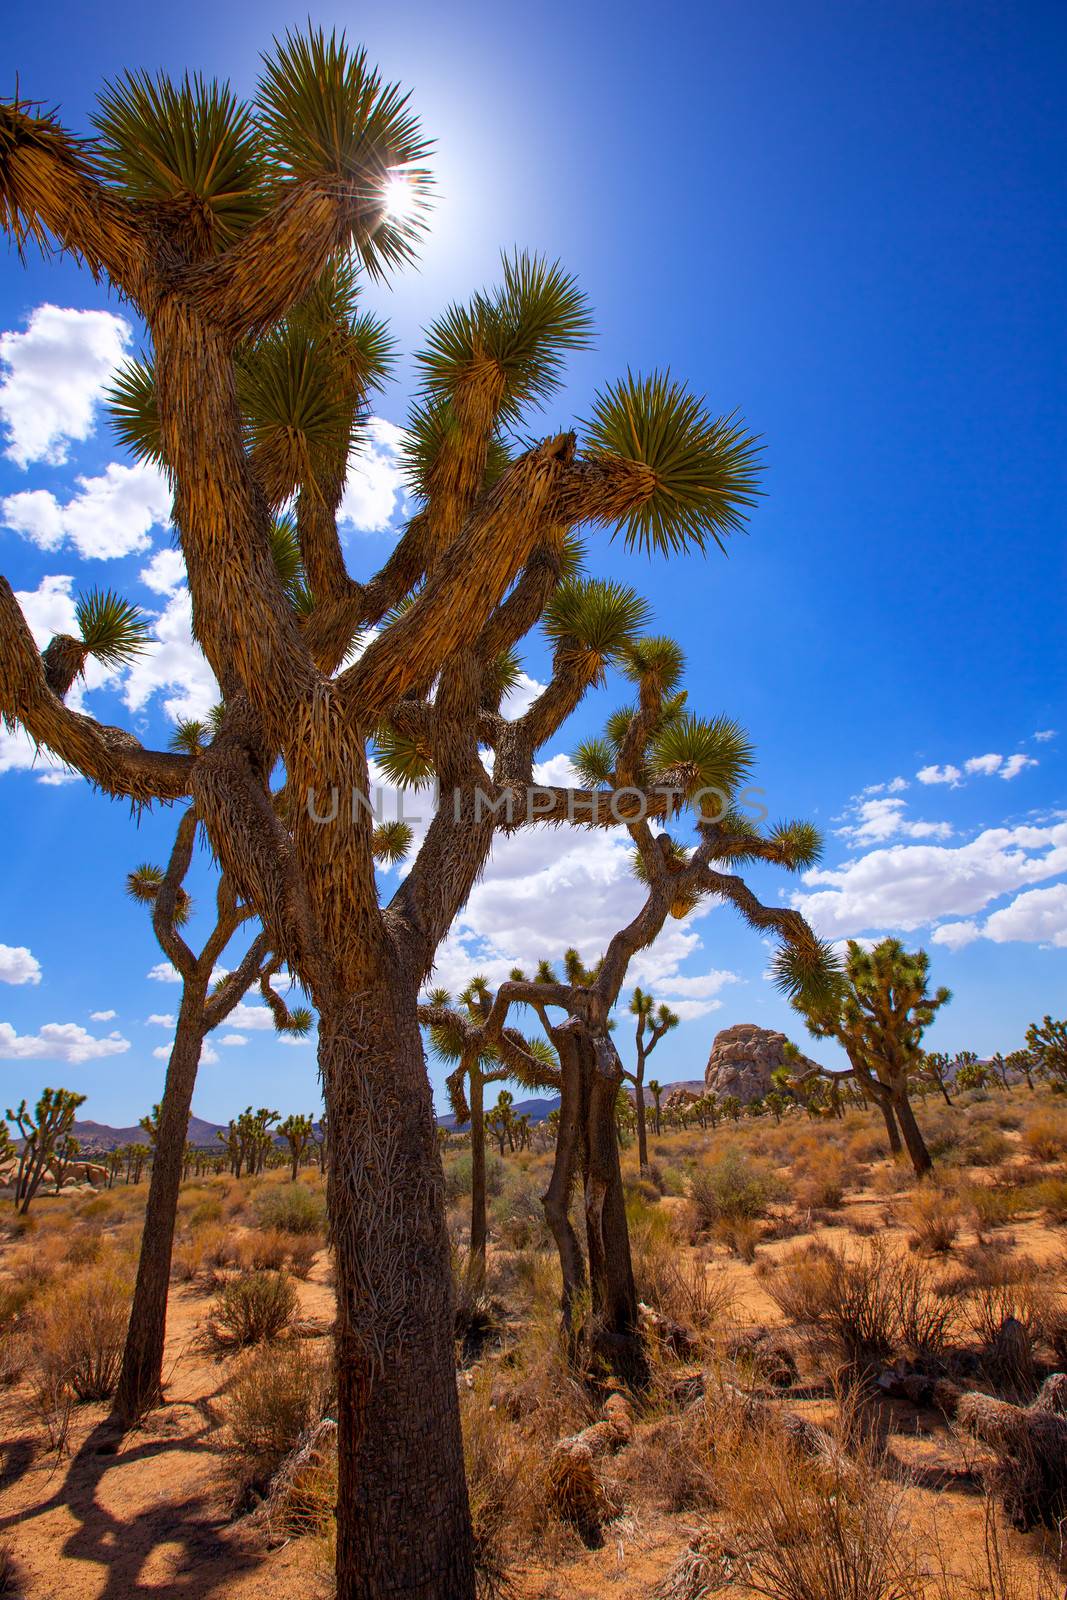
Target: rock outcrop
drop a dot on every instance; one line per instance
(742, 1059)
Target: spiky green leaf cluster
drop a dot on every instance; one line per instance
(432, 428)
(522, 330)
(324, 111)
(594, 762)
(692, 754)
(655, 661)
(111, 628)
(190, 147)
(190, 736)
(403, 760)
(705, 468)
(143, 885)
(391, 841)
(593, 621)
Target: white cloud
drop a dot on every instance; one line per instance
(984, 764)
(690, 1010)
(878, 819)
(162, 1052)
(231, 1040)
(254, 1018)
(296, 1038)
(55, 376)
(894, 786)
(208, 1055)
(164, 972)
(102, 1016)
(951, 775)
(58, 1041)
(173, 661)
(165, 572)
(956, 934)
(520, 698)
(18, 965)
(1045, 735)
(110, 515)
(701, 987)
(375, 485)
(1037, 917)
(905, 886)
(159, 1019)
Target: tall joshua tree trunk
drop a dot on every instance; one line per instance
(611, 1278)
(642, 1130)
(142, 1359)
(479, 1228)
(892, 1131)
(913, 1139)
(398, 1430)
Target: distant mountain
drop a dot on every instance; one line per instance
(98, 1136)
(536, 1110)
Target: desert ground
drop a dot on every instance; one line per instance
(803, 1299)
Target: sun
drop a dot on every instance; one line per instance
(401, 200)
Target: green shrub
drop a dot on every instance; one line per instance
(291, 1208)
(733, 1188)
(252, 1308)
(458, 1176)
(206, 1210)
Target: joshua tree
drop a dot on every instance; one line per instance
(1047, 1046)
(970, 1073)
(43, 1132)
(298, 1132)
(877, 1008)
(937, 1066)
(136, 1156)
(1023, 1061)
(655, 1089)
(201, 1009)
(64, 1156)
(658, 1021)
(455, 1036)
(232, 229)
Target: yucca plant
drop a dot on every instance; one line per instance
(653, 1022)
(454, 1032)
(232, 228)
(109, 628)
(877, 1004)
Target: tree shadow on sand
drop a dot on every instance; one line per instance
(203, 1547)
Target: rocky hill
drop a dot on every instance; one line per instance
(742, 1059)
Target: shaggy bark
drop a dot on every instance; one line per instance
(399, 1442)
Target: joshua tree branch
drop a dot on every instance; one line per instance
(109, 757)
(165, 902)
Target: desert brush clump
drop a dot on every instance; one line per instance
(291, 1208)
(274, 1397)
(251, 1308)
(78, 1329)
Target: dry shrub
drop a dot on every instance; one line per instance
(218, 1246)
(893, 1178)
(734, 1188)
(933, 1216)
(1049, 1196)
(291, 1208)
(741, 1237)
(674, 1284)
(276, 1396)
(252, 1308)
(209, 1209)
(987, 1306)
(994, 1206)
(79, 1327)
(264, 1249)
(302, 1250)
(512, 1509)
(1044, 1135)
(859, 1312)
(823, 1183)
(794, 1527)
(10, 1574)
(187, 1258)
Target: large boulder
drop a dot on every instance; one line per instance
(742, 1059)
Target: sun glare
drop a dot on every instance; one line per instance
(401, 200)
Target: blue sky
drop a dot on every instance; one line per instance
(846, 221)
